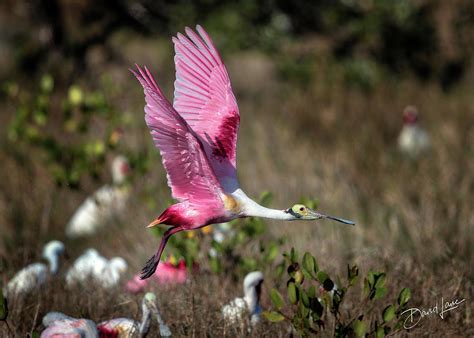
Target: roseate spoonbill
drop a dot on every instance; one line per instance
(166, 273)
(413, 139)
(236, 311)
(91, 265)
(37, 274)
(125, 327)
(60, 325)
(197, 139)
(105, 204)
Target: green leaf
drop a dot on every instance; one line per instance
(380, 280)
(308, 262)
(371, 278)
(277, 299)
(388, 313)
(322, 276)
(292, 293)
(273, 316)
(272, 252)
(47, 83)
(380, 332)
(75, 95)
(299, 277)
(304, 297)
(311, 292)
(266, 198)
(303, 310)
(367, 288)
(293, 255)
(404, 296)
(379, 293)
(360, 328)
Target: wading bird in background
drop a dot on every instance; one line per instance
(126, 327)
(236, 311)
(166, 273)
(105, 204)
(413, 140)
(197, 139)
(92, 266)
(58, 324)
(36, 274)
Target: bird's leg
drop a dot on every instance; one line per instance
(152, 263)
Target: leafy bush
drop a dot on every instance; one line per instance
(314, 299)
(44, 118)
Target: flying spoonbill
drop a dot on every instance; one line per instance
(197, 139)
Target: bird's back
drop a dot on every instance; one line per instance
(235, 311)
(28, 278)
(71, 328)
(96, 210)
(118, 327)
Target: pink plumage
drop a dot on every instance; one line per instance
(203, 96)
(197, 139)
(166, 273)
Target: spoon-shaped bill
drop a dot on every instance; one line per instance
(345, 221)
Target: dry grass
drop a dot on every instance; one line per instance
(326, 141)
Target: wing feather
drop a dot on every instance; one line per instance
(204, 98)
(189, 173)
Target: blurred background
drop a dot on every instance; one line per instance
(321, 87)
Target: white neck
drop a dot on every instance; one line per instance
(251, 299)
(146, 320)
(261, 211)
(53, 262)
(252, 208)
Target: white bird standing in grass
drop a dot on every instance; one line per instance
(413, 139)
(248, 308)
(58, 324)
(126, 327)
(105, 204)
(92, 266)
(36, 274)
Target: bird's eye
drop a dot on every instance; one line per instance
(302, 209)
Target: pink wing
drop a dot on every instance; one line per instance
(190, 176)
(203, 97)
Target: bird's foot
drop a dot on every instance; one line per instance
(149, 268)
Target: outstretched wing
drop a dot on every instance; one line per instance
(190, 176)
(203, 97)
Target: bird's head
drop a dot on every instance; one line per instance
(51, 253)
(120, 169)
(149, 301)
(119, 265)
(53, 248)
(302, 212)
(410, 115)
